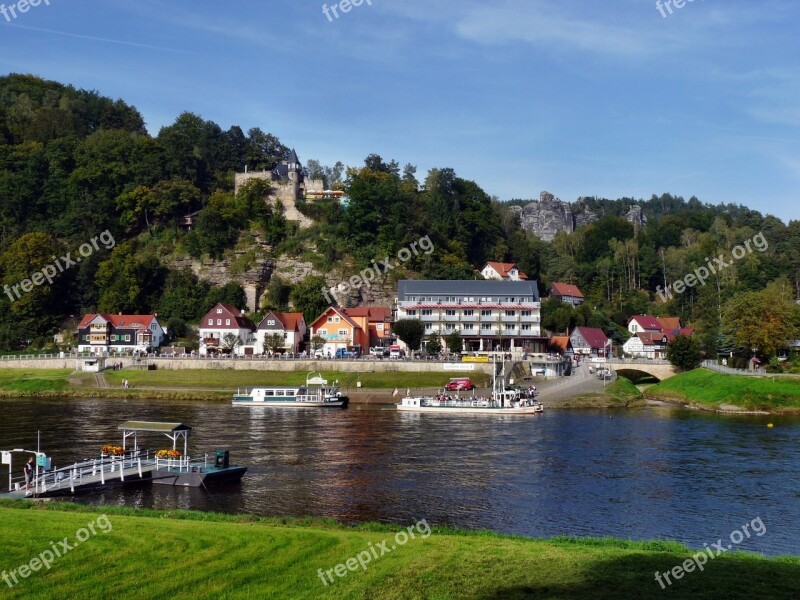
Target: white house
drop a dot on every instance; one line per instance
(292, 326)
(505, 271)
(646, 344)
(103, 333)
(222, 320)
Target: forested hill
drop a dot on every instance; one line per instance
(74, 164)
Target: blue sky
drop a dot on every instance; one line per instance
(581, 98)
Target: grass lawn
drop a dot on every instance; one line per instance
(146, 554)
(710, 389)
(33, 380)
(229, 379)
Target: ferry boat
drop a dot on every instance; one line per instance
(501, 402)
(316, 393)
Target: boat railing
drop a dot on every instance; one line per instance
(90, 470)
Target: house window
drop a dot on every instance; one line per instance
(379, 326)
(343, 332)
(426, 312)
(412, 313)
(228, 322)
(526, 327)
(450, 327)
(330, 319)
(469, 313)
(336, 319)
(468, 327)
(271, 322)
(128, 338)
(511, 313)
(219, 311)
(210, 322)
(486, 313)
(428, 326)
(526, 313)
(450, 313)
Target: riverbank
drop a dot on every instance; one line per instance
(207, 385)
(205, 555)
(621, 393)
(708, 390)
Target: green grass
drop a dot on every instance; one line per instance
(710, 389)
(229, 379)
(152, 555)
(33, 380)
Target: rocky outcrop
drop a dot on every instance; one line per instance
(549, 215)
(636, 217)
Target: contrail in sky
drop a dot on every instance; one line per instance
(99, 39)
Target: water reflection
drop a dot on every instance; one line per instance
(656, 473)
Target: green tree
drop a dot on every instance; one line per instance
(274, 342)
(433, 345)
(410, 331)
(455, 343)
(307, 298)
(683, 351)
(766, 320)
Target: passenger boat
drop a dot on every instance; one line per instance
(501, 402)
(316, 393)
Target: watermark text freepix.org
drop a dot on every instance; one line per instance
(10, 11)
(46, 558)
(700, 558)
(713, 266)
(666, 6)
(59, 265)
(368, 275)
(345, 6)
(374, 552)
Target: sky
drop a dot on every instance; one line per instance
(577, 97)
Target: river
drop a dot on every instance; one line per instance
(654, 473)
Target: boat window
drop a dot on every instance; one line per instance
(290, 393)
(269, 393)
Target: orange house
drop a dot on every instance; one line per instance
(353, 327)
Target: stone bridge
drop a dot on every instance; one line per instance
(660, 369)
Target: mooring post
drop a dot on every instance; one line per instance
(94, 467)
(140, 468)
(102, 475)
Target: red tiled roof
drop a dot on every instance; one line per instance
(594, 336)
(648, 323)
(473, 305)
(651, 338)
(237, 315)
(503, 268)
(339, 311)
(120, 321)
(670, 322)
(374, 314)
(290, 321)
(565, 289)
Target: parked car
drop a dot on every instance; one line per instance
(379, 352)
(459, 383)
(344, 353)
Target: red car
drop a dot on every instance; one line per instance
(459, 383)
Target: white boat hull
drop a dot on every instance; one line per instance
(292, 404)
(527, 410)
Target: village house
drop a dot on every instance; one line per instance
(651, 335)
(566, 292)
(501, 270)
(105, 333)
(226, 330)
(352, 328)
(562, 345)
(590, 341)
(292, 326)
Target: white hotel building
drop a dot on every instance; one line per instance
(489, 315)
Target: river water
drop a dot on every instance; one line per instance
(655, 473)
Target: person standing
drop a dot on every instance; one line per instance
(28, 471)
